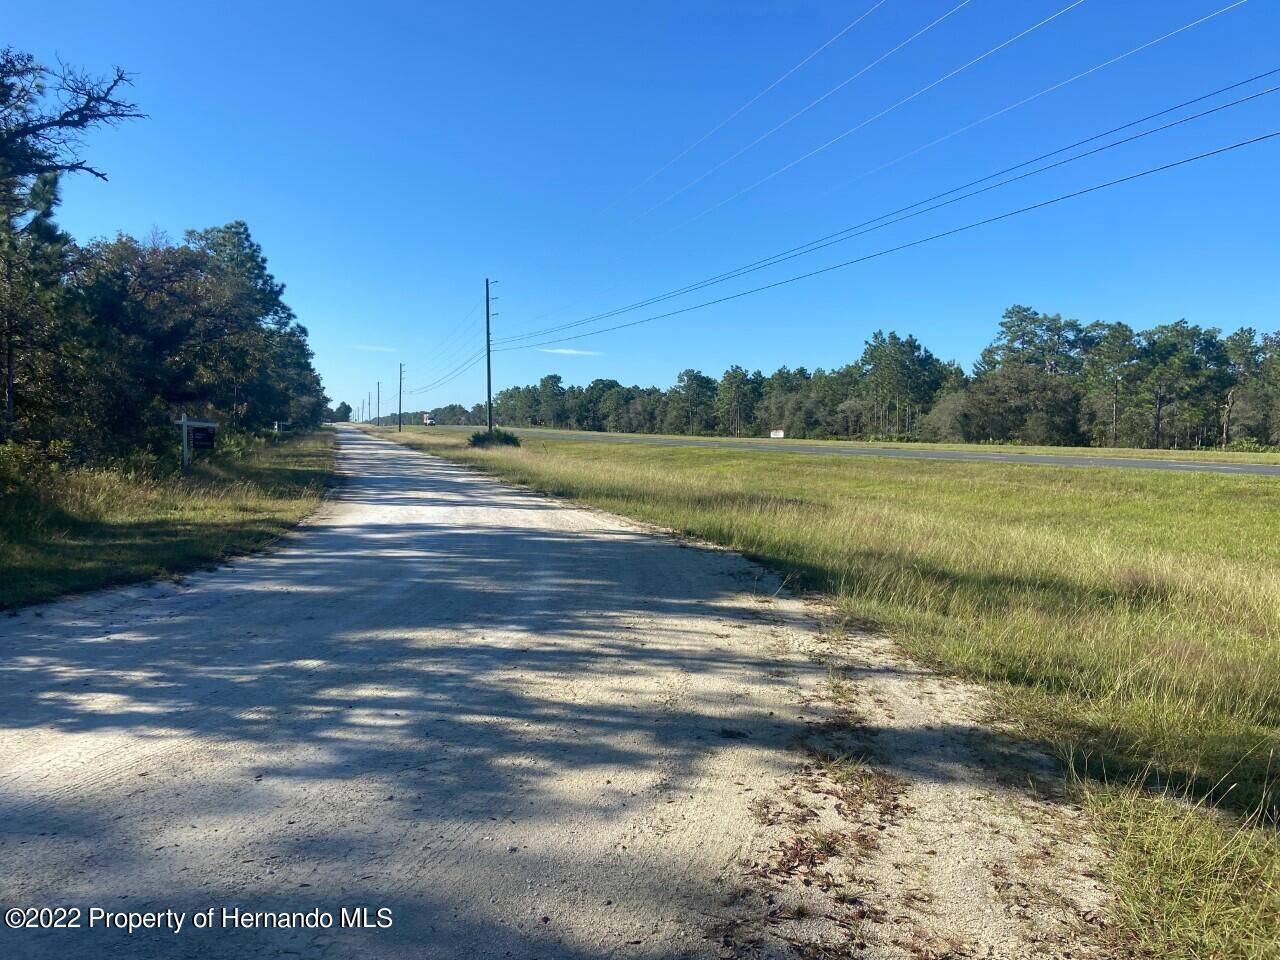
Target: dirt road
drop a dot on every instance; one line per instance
(525, 729)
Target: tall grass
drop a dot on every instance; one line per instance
(1130, 620)
(77, 529)
(1191, 885)
(1237, 452)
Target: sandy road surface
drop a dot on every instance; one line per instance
(528, 730)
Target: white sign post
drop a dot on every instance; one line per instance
(206, 428)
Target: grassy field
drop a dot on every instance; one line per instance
(1129, 620)
(90, 528)
(1004, 450)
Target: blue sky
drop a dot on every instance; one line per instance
(390, 156)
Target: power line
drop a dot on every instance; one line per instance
(919, 242)
(455, 342)
(462, 345)
(462, 324)
(805, 109)
(846, 232)
(892, 107)
(466, 364)
(954, 133)
(447, 380)
(471, 361)
(443, 360)
(719, 126)
(847, 27)
(456, 371)
(1036, 96)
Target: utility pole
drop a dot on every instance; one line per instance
(400, 402)
(368, 405)
(488, 358)
(1115, 409)
(378, 416)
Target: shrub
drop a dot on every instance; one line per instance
(493, 438)
(1249, 445)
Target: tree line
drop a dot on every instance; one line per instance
(105, 342)
(1044, 379)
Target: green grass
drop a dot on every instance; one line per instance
(1206, 456)
(493, 438)
(1190, 885)
(1129, 620)
(88, 528)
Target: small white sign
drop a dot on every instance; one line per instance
(777, 434)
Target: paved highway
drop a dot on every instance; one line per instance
(910, 453)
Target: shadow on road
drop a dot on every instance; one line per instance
(445, 696)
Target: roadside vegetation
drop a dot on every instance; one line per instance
(1043, 380)
(493, 438)
(1128, 620)
(1206, 455)
(65, 529)
(104, 344)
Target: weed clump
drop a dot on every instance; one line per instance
(493, 438)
